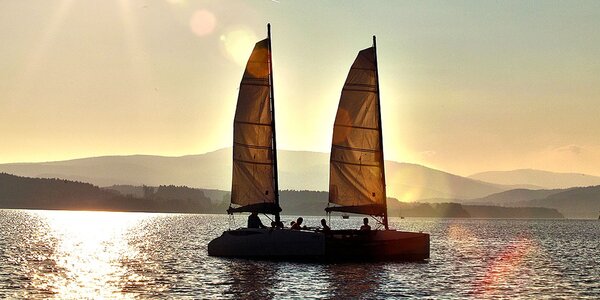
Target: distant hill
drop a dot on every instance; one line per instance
(538, 179)
(38, 193)
(575, 203)
(299, 170)
(42, 193)
(313, 203)
(513, 197)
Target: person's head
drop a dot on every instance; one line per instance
(299, 220)
(323, 222)
(254, 213)
(366, 221)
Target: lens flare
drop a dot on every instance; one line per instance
(503, 268)
(238, 45)
(203, 22)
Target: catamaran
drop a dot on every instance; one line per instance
(357, 173)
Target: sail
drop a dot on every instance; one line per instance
(356, 175)
(253, 181)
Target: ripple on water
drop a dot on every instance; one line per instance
(52, 254)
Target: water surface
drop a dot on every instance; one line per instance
(74, 255)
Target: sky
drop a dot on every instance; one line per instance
(466, 86)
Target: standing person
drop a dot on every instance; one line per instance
(254, 221)
(324, 225)
(365, 226)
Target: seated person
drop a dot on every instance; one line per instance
(365, 226)
(324, 225)
(254, 221)
(298, 224)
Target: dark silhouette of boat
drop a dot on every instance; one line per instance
(357, 173)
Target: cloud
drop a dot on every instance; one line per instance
(428, 153)
(572, 149)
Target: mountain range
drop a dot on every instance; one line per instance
(301, 170)
(298, 170)
(537, 179)
(43, 193)
(575, 202)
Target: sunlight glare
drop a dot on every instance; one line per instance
(89, 250)
(238, 45)
(38, 53)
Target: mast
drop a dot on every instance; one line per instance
(382, 160)
(275, 173)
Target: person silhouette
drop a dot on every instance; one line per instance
(254, 221)
(324, 225)
(365, 226)
(298, 224)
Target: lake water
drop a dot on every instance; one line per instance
(78, 255)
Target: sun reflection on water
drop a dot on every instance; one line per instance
(89, 248)
(501, 272)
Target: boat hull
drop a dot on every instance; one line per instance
(377, 245)
(337, 245)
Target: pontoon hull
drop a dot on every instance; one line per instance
(346, 245)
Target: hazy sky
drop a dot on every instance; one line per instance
(466, 86)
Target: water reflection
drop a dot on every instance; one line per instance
(253, 280)
(84, 253)
(352, 281)
(504, 270)
(74, 255)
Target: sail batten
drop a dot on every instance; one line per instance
(356, 179)
(254, 186)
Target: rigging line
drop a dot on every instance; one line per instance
(360, 84)
(359, 90)
(252, 162)
(252, 146)
(251, 123)
(250, 79)
(355, 149)
(357, 127)
(254, 84)
(363, 69)
(355, 164)
(379, 222)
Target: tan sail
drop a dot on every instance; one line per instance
(356, 178)
(253, 182)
